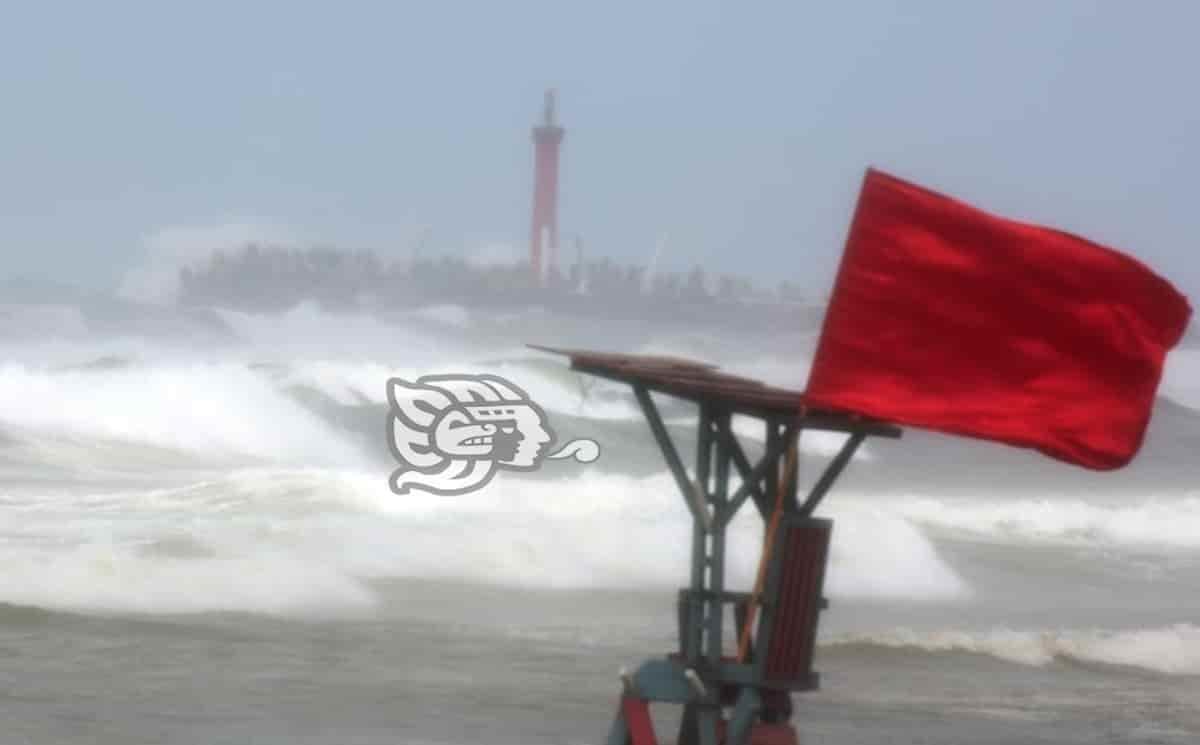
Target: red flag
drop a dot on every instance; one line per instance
(946, 317)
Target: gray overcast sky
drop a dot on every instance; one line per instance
(740, 129)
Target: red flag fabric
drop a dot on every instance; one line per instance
(949, 318)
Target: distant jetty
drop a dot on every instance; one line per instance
(265, 279)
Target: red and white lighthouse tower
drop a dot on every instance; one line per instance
(543, 239)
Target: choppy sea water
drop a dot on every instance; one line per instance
(199, 546)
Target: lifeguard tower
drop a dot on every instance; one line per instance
(736, 693)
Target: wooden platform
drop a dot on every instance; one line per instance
(704, 383)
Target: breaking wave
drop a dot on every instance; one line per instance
(261, 486)
(1171, 650)
(279, 540)
(212, 410)
(1136, 523)
(108, 579)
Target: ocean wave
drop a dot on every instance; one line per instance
(221, 410)
(1172, 523)
(282, 540)
(308, 332)
(1171, 650)
(105, 578)
(600, 529)
(213, 410)
(553, 388)
(345, 383)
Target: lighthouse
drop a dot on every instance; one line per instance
(543, 235)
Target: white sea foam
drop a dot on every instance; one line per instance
(358, 382)
(877, 555)
(105, 578)
(347, 383)
(320, 513)
(306, 332)
(610, 530)
(1142, 523)
(252, 539)
(213, 410)
(1172, 650)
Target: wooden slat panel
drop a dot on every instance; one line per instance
(793, 637)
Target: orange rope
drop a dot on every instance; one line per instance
(768, 546)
